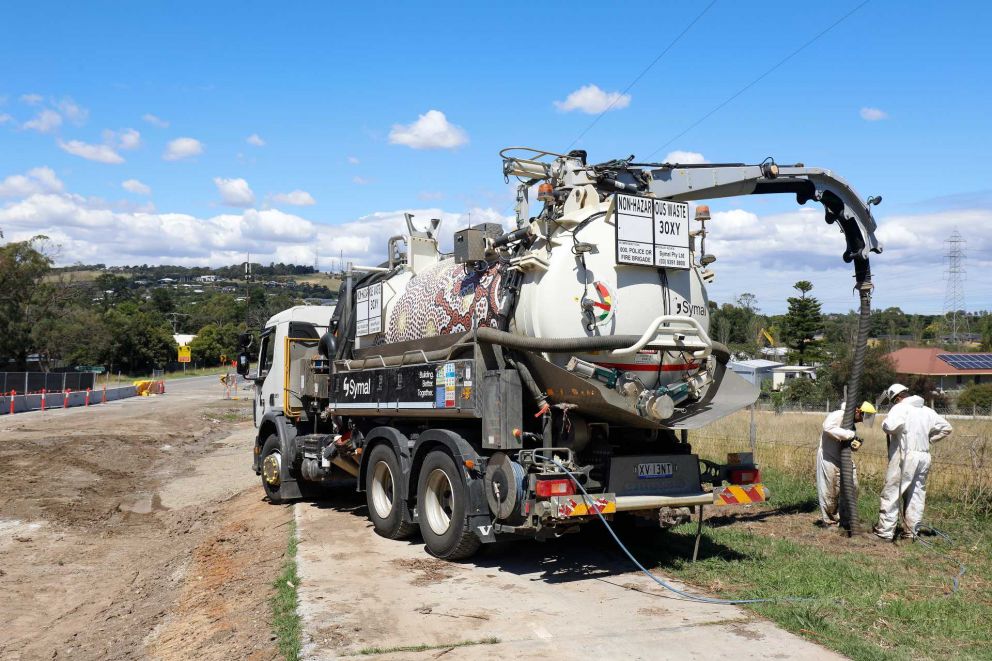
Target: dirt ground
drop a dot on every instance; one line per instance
(136, 530)
(362, 596)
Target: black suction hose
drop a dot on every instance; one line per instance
(848, 488)
(572, 344)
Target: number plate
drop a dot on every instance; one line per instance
(653, 470)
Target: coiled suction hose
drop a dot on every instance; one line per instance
(848, 488)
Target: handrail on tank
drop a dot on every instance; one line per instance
(652, 332)
(406, 353)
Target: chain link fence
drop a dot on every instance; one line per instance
(786, 438)
(826, 406)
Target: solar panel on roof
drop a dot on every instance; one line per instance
(968, 361)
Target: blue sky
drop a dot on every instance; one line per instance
(334, 95)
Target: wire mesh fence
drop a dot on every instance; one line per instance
(787, 439)
(36, 382)
(826, 406)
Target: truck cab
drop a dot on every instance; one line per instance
(296, 330)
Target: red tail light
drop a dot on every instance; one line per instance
(548, 488)
(745, 476)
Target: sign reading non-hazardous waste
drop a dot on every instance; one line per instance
(368, 317)
(652, 232)
(184, 354)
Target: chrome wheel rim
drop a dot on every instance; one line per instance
(382, 490)
(439, 501)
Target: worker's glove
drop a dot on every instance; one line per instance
(856, 443)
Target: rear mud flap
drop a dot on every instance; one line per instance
(482, 526)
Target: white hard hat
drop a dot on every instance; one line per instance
(894, 390)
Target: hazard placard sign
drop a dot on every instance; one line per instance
(184, 354)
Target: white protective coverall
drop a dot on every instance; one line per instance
(911, 427)
(828, 465)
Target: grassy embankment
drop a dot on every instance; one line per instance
(286, 623)
(867, 599)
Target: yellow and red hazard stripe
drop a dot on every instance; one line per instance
(569, 506)
(740, 494)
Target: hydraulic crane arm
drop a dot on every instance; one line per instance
(839, 199)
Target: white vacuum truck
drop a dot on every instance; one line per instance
(457, 388)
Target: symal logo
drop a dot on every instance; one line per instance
(353, 388)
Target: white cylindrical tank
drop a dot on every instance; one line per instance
(581, 274)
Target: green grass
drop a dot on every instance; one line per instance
(285, 618)
(368, 651)
(866, 599)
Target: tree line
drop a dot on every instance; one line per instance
(49, 320)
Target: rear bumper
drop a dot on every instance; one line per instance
(633, 503)
(566, 507)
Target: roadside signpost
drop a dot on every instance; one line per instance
(184, 356)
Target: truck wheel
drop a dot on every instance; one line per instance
(382, 493)
(441, 502)
(272, 469)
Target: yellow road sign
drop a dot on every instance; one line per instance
(184, 354)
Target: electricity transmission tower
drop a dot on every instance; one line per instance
(954, 308)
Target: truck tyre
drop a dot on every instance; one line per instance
(382, 493)
(271, 461)
(442, 499)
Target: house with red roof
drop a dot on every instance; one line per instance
(950, 371)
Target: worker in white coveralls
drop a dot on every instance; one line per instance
(911, 428)
(828, 460)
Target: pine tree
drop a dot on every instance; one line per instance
(802, 321)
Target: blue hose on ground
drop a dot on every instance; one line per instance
(646, 572)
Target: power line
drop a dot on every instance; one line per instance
(640, 75)
(761, 77)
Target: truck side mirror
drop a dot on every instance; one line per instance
(244, 340)
(243, 363)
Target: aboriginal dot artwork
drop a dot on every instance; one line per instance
(446, 298)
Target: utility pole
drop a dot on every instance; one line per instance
(248, 293)
(954, 305)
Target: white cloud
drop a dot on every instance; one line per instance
(592, 100)
(255, 140)
(45, 121)
(361, 181)
(89, 231)
(428, 196)
(873, 114)
(32, 182)
(353, 160)
(432, 130)
(31, 99)
(126, 139)
(181, 148)
(235, 192)
(155, 121)
(72, 111)
(296, 198)
(91, 152)
(685, 158)
(4, 118)
(136, 187)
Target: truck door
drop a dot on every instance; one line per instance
(263, 383)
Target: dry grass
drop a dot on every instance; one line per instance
(962, 467)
